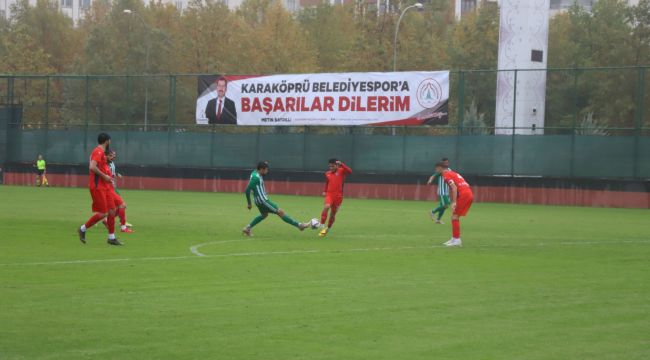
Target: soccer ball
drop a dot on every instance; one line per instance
(314, 223)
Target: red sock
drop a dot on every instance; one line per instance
(93, 220)
(111, 223)
(323, 216)
(455, 228)
(332, 217)
(121, 212)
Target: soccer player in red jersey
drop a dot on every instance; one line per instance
(333, 193)
(100, 184)
(461, 199)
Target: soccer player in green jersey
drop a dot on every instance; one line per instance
(262, 201)
(443, 195)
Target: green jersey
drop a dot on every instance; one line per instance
(443, 188)
(40, 164)
(256, 185)
(113, 175)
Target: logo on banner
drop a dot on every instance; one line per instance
(429, 93)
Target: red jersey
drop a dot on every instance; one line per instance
(334, 180)
(95, 181)
(452, 177)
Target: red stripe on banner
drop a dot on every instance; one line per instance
(404, 122)
(497, 194)
(241, 77)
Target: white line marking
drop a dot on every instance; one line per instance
(197, 254)
(194, 249)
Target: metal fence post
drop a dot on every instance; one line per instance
(86, 112)
(47, 116)
(404, 149)
(172, 99)
(10, 98)
(461, 112)
(574, 121)
(640, 95)
(514, 127)
(170, 115)
(304, 147)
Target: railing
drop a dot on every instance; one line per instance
(596, 124)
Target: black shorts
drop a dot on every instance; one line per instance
(40, 172)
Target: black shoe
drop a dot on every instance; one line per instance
(82, 236)
(114, 242)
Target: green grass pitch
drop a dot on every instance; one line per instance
(531, 282)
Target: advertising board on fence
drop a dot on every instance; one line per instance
(337, 99)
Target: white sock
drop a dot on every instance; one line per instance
(83, 228)
(123, 227)
(111, 236)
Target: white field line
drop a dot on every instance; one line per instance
(194, 249)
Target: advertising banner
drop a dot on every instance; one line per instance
(337, 99)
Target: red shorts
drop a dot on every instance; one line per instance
(334, 200)
(102, 200)
(117, 199)
(463, 203)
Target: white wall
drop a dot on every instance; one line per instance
(523, 28)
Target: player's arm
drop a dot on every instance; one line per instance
(453, 193)
(327, 183)
(249, 188)
(93, 167)
(346, 169)
(432, 178)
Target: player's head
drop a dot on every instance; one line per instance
(40, 157)
(104, 139)
(441, 166)
(332, 164)
(111, 155)
(222, 86)
(263, 167)
(445, 160)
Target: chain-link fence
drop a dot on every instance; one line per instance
(596, 124)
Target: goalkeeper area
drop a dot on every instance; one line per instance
(531, 282)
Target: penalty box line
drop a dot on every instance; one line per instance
(196, 254)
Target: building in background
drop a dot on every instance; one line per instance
(462, 7)
(75, 9)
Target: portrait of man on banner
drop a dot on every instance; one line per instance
(221, 110)
(213, 105)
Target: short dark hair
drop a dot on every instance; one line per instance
(442, 165)
(262, 165)
(444, 159)
(102, 138)
(222, 78)
(333, 160)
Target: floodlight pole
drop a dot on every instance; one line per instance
(146, 66)
(417, 5)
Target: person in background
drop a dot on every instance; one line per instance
(41, 179)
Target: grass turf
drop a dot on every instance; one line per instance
(532, 282)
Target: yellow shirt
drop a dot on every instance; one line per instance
(40, 164)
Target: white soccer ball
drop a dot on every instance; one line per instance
(314, 223)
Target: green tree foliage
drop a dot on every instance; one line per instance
(262, 37)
